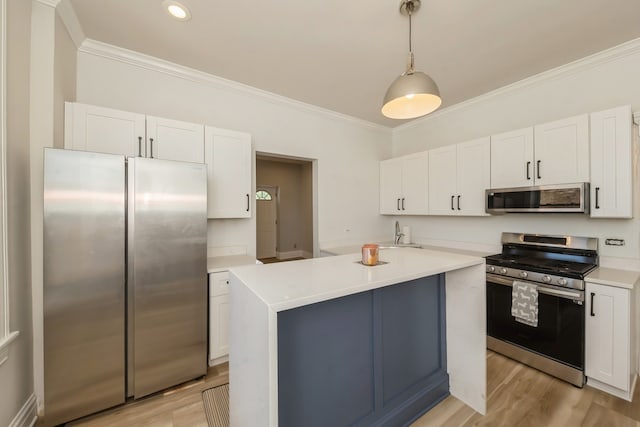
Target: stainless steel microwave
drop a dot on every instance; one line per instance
(545, 198)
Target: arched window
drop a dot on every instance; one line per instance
(263, 195)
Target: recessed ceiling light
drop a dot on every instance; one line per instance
(177, 10)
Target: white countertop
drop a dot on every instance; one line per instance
(614, 277)
(224, 263)
(343, 250)
(282, 286)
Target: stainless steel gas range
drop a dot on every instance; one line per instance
(553, 268)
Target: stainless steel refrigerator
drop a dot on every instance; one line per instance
(125, 279)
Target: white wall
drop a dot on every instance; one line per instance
(347, 151)
(52, 74)
(606, 80)
(16, 374)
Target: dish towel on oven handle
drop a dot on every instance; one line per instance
(524, 303)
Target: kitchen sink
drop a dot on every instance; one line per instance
(399, 245)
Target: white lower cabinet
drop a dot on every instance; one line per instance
(610, 362)
(218, 317)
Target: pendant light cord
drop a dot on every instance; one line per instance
(409, 7)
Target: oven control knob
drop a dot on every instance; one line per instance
(523, 274)
(546, 279)
(491, 268)
(503, 270)
(562, 282)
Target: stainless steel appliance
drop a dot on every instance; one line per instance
(125, 279)
(557, 265)
(569, 198)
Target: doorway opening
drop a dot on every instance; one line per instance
(285, 214)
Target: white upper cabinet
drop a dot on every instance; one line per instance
(414, 185)
(611, 163)
(442, 180)
(229, 161)
(512, 159)
(103, 130)
(474, 175)
(390, 186)
(551, 153)
(175, 140)
(458, 177)
(404, 185)
(561, 151)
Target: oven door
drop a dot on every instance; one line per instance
(560, 331)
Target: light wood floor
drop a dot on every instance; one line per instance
(178, 407)
(517, 396)
(521, 396)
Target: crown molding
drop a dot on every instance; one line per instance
(625, 49)
(68, 15)
(104, 50)
(51, 3)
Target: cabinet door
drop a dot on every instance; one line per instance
(390, 186)
(174, 140)
(607, 335)
(415, 180)
(442, 181)
(474, 175)
(611, 163)
(228, 158)
(218, 326)
(562, 151)
(512, 159)
(103, 130)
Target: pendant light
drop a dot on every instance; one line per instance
(412, 94)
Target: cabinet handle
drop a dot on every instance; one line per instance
(538, 169)
(151, 145)
(593, 294)
(248, 203)
(597, 201)
(398, 204)
(458, 202)
(403, 203)
(139, 146)
(452, 208)
(528, 170)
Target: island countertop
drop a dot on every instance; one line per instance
(282, 286)
(259, 294)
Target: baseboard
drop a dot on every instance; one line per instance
(622, 394)
(218, 360)
(290, 254)
(27, 416)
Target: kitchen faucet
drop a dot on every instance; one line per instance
(398, 234)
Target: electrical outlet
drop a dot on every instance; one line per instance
(614, 242)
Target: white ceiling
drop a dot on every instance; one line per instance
(343, 55)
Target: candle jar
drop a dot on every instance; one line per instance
(370, 254)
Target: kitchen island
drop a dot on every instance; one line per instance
(276, 309)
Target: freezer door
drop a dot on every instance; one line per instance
(84, 283)
(167, 273)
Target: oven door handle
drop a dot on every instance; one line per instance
(505, 281)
